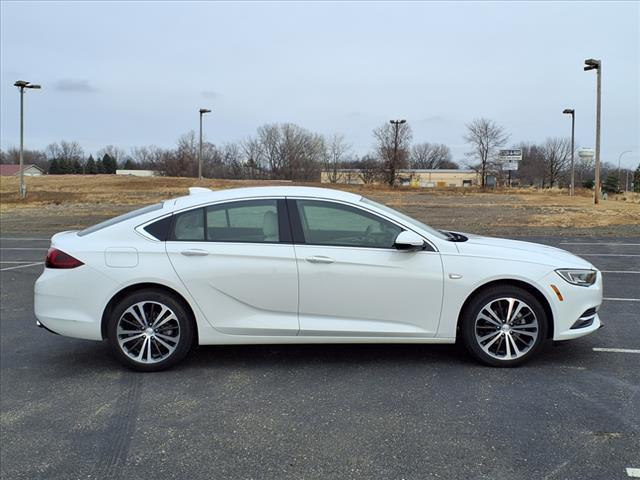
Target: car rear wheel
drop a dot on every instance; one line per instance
(150, 330)
(504, 326)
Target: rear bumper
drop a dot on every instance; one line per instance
(68, 302)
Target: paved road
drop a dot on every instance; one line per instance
(319, 412)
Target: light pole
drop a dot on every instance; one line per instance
(396, 124)
(592, 64)
(202, 112)
(572, 112)
(21, 84)
(619, 157)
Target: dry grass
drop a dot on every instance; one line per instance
(77, 195)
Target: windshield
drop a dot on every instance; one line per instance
(407, 219)
(121, 218)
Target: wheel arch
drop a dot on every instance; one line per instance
(143, 286)
(512, 283)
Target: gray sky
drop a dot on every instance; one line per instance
(136, 73)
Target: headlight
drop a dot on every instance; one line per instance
(583, 278)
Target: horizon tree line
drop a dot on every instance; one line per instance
(286, 151)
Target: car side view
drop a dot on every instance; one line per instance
(282, 265)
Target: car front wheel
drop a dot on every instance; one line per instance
(504, 326)
(150, 331)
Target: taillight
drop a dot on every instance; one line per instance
(59, 259)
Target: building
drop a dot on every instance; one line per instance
(436, 178)
(13, 170)
(137, 173)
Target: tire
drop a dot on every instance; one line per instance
(150, 330)
(504, 326)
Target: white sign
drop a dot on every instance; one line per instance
(510, 158)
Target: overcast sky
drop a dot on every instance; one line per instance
(136, 73)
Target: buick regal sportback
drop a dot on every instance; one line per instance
(290, 264)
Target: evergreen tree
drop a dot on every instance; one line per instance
(90, 167)
(611, 183)
(53, 167)
(109, 164)
(77, 167)
(99, 166)
(130, 165)
(636, 180)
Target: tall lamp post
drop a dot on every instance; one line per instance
(619, 157)
(202, 112)
(592, 64)
(396, 124)
(21, 84)
(572, 112)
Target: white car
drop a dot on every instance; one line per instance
(305, 265)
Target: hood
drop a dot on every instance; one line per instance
(522, 251)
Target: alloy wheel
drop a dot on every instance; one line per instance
(506, 328)
(148, 332)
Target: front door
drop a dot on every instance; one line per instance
(353, 282)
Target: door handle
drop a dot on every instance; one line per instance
(194, 252)
(320, 259)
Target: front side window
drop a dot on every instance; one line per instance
(327, 223)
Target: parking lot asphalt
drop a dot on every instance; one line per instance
(69, 411)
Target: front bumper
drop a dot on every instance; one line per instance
(576, 302)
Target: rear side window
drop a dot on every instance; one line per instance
(247, 221)
(189, 226)
(254, 221)
(121, 218)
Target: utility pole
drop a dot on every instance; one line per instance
(392, 170)
(21, 84)
(202, 112)
(572, 112)
(592, 64)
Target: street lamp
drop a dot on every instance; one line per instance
(619, 157)
(202, 112)
(21, 84)
(572, 112)
(396, 124)
(592, 64)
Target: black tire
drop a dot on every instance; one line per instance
(179, 327)
(474, 329)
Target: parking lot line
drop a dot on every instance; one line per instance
(16, 261)
(608, 254)
(601, 243)
(616, 350)
(618, 299)
(633, 472)
(23, 248)
(619, 271)
(21, 266)
(22, 238)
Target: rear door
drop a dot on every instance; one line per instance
(354, 282)
(237, 261)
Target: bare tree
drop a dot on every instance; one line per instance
(557, 153)
(430, 155)
(335, 156)
(484, 136)
(369, 168)
(117, 154)
(393, 143)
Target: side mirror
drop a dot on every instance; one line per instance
(409, 241)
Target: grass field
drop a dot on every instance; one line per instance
(74, 201)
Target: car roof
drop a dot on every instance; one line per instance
(199, 196)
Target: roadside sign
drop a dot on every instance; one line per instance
(510, 158)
